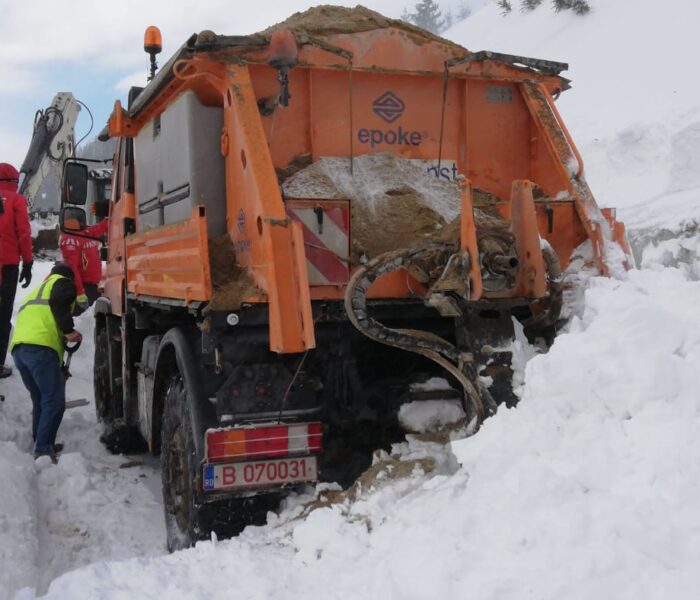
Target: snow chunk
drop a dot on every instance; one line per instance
(430, 415)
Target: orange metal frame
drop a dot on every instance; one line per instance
(171, 261)
(502, 132)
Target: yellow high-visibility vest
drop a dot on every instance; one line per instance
(35, 322)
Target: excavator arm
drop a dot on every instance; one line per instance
(52, 142)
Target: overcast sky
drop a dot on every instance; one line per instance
(94, 49)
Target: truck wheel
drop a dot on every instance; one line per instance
(118, 437)
(187, 519)
(178, 474)
(103, 395)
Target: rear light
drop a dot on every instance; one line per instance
(269, 441)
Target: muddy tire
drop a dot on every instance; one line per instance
(187, 518)
(103, 394)
(117, 437)
(178, 462)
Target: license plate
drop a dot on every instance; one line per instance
(259, 473)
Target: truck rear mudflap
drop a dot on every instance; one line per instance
(261, 457)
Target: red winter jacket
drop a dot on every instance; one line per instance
(15, 232)
(83, 255)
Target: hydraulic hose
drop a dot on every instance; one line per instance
(437, 349)
(47, 123)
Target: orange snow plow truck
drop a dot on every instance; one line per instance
(306, 225)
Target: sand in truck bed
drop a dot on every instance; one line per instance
(327, 20)
(230, 283)
(394, 202)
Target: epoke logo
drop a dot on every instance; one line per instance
(388, 107)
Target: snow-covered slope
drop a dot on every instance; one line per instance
(588, 489)
(60, 518)
(634, 106)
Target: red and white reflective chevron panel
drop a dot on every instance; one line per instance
(326, 225)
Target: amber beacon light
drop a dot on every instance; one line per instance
(152, 44)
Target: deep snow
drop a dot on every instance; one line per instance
(93, 506)
(586, 490)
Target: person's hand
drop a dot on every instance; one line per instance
(73, 337)
(26, 274)
(82, 302)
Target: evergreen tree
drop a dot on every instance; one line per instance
(427, 15)
(448, 21)
(463, 11)
(505, 6)
(580, 7)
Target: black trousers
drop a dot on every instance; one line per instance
(92, 292)
(8, 289)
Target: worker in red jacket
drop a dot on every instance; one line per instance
(82, 253)
(15, 243)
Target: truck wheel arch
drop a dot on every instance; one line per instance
(103, 306)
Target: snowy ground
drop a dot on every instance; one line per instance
(584, 491)
(93, 506)
(588, 489)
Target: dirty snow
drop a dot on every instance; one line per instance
(374, 175)
(586, 490)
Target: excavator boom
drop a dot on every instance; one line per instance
(52, 142)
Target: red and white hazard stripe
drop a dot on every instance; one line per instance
(327, 244)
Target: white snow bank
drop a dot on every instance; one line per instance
(19, 545)
(18, 541)
(584, 491)
(84, 509)
(604, 452)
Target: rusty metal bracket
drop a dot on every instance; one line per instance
(547, 67)
(337, 50)
(278, 222)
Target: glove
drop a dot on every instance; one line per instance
(82, 302)
(73, 337)
(26, 274)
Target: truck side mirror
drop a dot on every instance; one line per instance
(75, 180)
(72, 219)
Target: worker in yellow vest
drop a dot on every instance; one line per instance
(43, 326)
